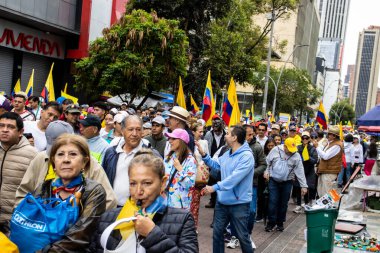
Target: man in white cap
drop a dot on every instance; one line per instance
(330, 162)
(157, 139)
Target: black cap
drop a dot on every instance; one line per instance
(91, 120)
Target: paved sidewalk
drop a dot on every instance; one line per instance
(290, 240)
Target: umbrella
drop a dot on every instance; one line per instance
(371, 118)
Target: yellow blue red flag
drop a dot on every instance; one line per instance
(208, 106)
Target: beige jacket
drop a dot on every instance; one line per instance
(14, 163)
(38, 168)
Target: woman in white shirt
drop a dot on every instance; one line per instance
(356, 153)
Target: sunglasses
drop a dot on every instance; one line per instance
(305, 138)
(314, 137)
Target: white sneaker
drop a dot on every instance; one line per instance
(252, 243)
(298, 209)
(234, 243)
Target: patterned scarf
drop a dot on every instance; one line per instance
(70, 187)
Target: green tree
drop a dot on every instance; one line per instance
(139, 54)
(341, 111)
(295, 90)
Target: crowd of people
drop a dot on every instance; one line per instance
(94, 160)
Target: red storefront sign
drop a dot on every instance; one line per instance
(29, 40)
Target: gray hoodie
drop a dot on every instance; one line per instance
(294, 163)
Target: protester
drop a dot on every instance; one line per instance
(15, 156)
(34, 105)
(284, 135)
(117, 158)
(69, 157)
(40, 169)
(347, 145)
(170, 230)
(197, 129)
(90, 128)
(65, 103)
(330, 161)
(309, 159)
(277, 139)
(100, 109)
(50, 113)
(117, 133)
(275, 130)
(147, 129)
(322, 141)
(261, 130)
(234, 190)
(260, 166)
(181, 169)
(179, 118)
(157, 139)
(215, 139)
(293, 134)
(371, 157)
(356, 153)
(19, 101)
(72, 115)
(279, 191)
(107, 131)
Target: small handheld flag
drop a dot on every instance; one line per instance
(17, 88)
(29, 88)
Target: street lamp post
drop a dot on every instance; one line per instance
(272, 18)
(279, 76)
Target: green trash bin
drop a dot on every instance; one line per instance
(321, 230)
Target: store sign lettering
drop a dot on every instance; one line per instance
(30, 43)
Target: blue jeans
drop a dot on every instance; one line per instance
(279, 194)
(252, 213)
(238, 215)
(341, 173)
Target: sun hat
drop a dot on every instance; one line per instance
(179, 134)
(334, 130)
(179, 113)
(290, 143)
(306, 133)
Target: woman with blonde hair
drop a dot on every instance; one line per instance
(86, 199)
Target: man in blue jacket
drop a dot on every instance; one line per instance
(234, 190)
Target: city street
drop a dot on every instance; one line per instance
(290, 241)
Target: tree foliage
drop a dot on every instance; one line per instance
(295, 90)
(342, 111)
(139, 54)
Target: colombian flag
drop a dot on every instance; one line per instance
(322, 116)
(181, 95)
(208, 107)
(194, 107)
(230, 104)
(17, 88)
(48, 90)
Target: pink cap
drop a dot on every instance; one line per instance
(179, 134)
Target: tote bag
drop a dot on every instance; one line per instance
(38, 222)
(203, 174)
(127, 246)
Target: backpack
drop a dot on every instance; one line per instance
(280, 170)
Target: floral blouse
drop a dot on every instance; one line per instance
(179, 193)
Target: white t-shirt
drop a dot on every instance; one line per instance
(262, 141)
(38, 135)
(121, 181)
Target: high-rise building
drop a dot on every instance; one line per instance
(332, 33)
(367, 70)
(334, 15)
(350, 79)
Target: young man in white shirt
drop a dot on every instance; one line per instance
(50, 113)
(261, 137)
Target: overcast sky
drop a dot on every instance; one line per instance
(362, 14)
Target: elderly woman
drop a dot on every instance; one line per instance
(170, 229)
(181, 169)
(70, 156)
